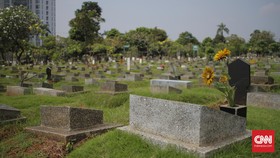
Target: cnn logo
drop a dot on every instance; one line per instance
(260, 139)
(263, 140)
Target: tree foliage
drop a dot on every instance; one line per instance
(17, 26)
(86, 24)
(260, 41)
(220, 33)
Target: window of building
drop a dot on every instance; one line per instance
(37, 6)
(47, 2)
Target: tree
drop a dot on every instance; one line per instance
(236, 45)
(260, 41)
(112, 33)
(207, 47)
(186, 38)
(86, 24)
(220, 33)
(274, 48)
(17, 25)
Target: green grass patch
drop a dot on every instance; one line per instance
(118, 144)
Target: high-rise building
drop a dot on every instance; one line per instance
(45, 9)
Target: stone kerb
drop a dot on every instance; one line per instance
(69, 118)
(173, 83)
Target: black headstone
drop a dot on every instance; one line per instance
(239, 72)
(49, 73)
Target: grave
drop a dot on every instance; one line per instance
(18, 90)
(173, 83)
(9, 114)
(2, 88)
(264, 99)
(37, 84)
(48, 92)
(261, 82)
(91, 81)
(133, 77)
(71, 79)
(70, 88)
(113, 87)
(190, 127)
(165, 89)
(69, 124)
(239, 72)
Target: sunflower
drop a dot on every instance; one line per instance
(221, 54)
(223, 79)
(208, 75)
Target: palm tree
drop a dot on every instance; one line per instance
(221, 29)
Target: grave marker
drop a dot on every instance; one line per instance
(239, 72)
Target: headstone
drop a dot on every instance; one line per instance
(49, 73)
(128, 64)
(239, 72)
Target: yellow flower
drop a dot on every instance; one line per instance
(221, 54)
(208, 75)
(223, 79)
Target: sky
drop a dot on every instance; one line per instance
(199, 17)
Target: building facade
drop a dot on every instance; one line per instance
(45, 9)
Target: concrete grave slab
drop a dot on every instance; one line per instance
(18, 90)
(113, 87)
(165, 89)
(193, 128)
(264, 99)
(65, 123)
(9, 114)
(48, 91)
(173, 83)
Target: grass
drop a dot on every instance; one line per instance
(117, 144)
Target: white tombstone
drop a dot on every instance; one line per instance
(128, 64)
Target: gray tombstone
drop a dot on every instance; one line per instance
(239, 72)
(9, 115)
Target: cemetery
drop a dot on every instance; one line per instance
(183, 115)
(134, 94)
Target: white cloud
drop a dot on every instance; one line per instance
(270, 9)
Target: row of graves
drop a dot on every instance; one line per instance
(193, 128)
